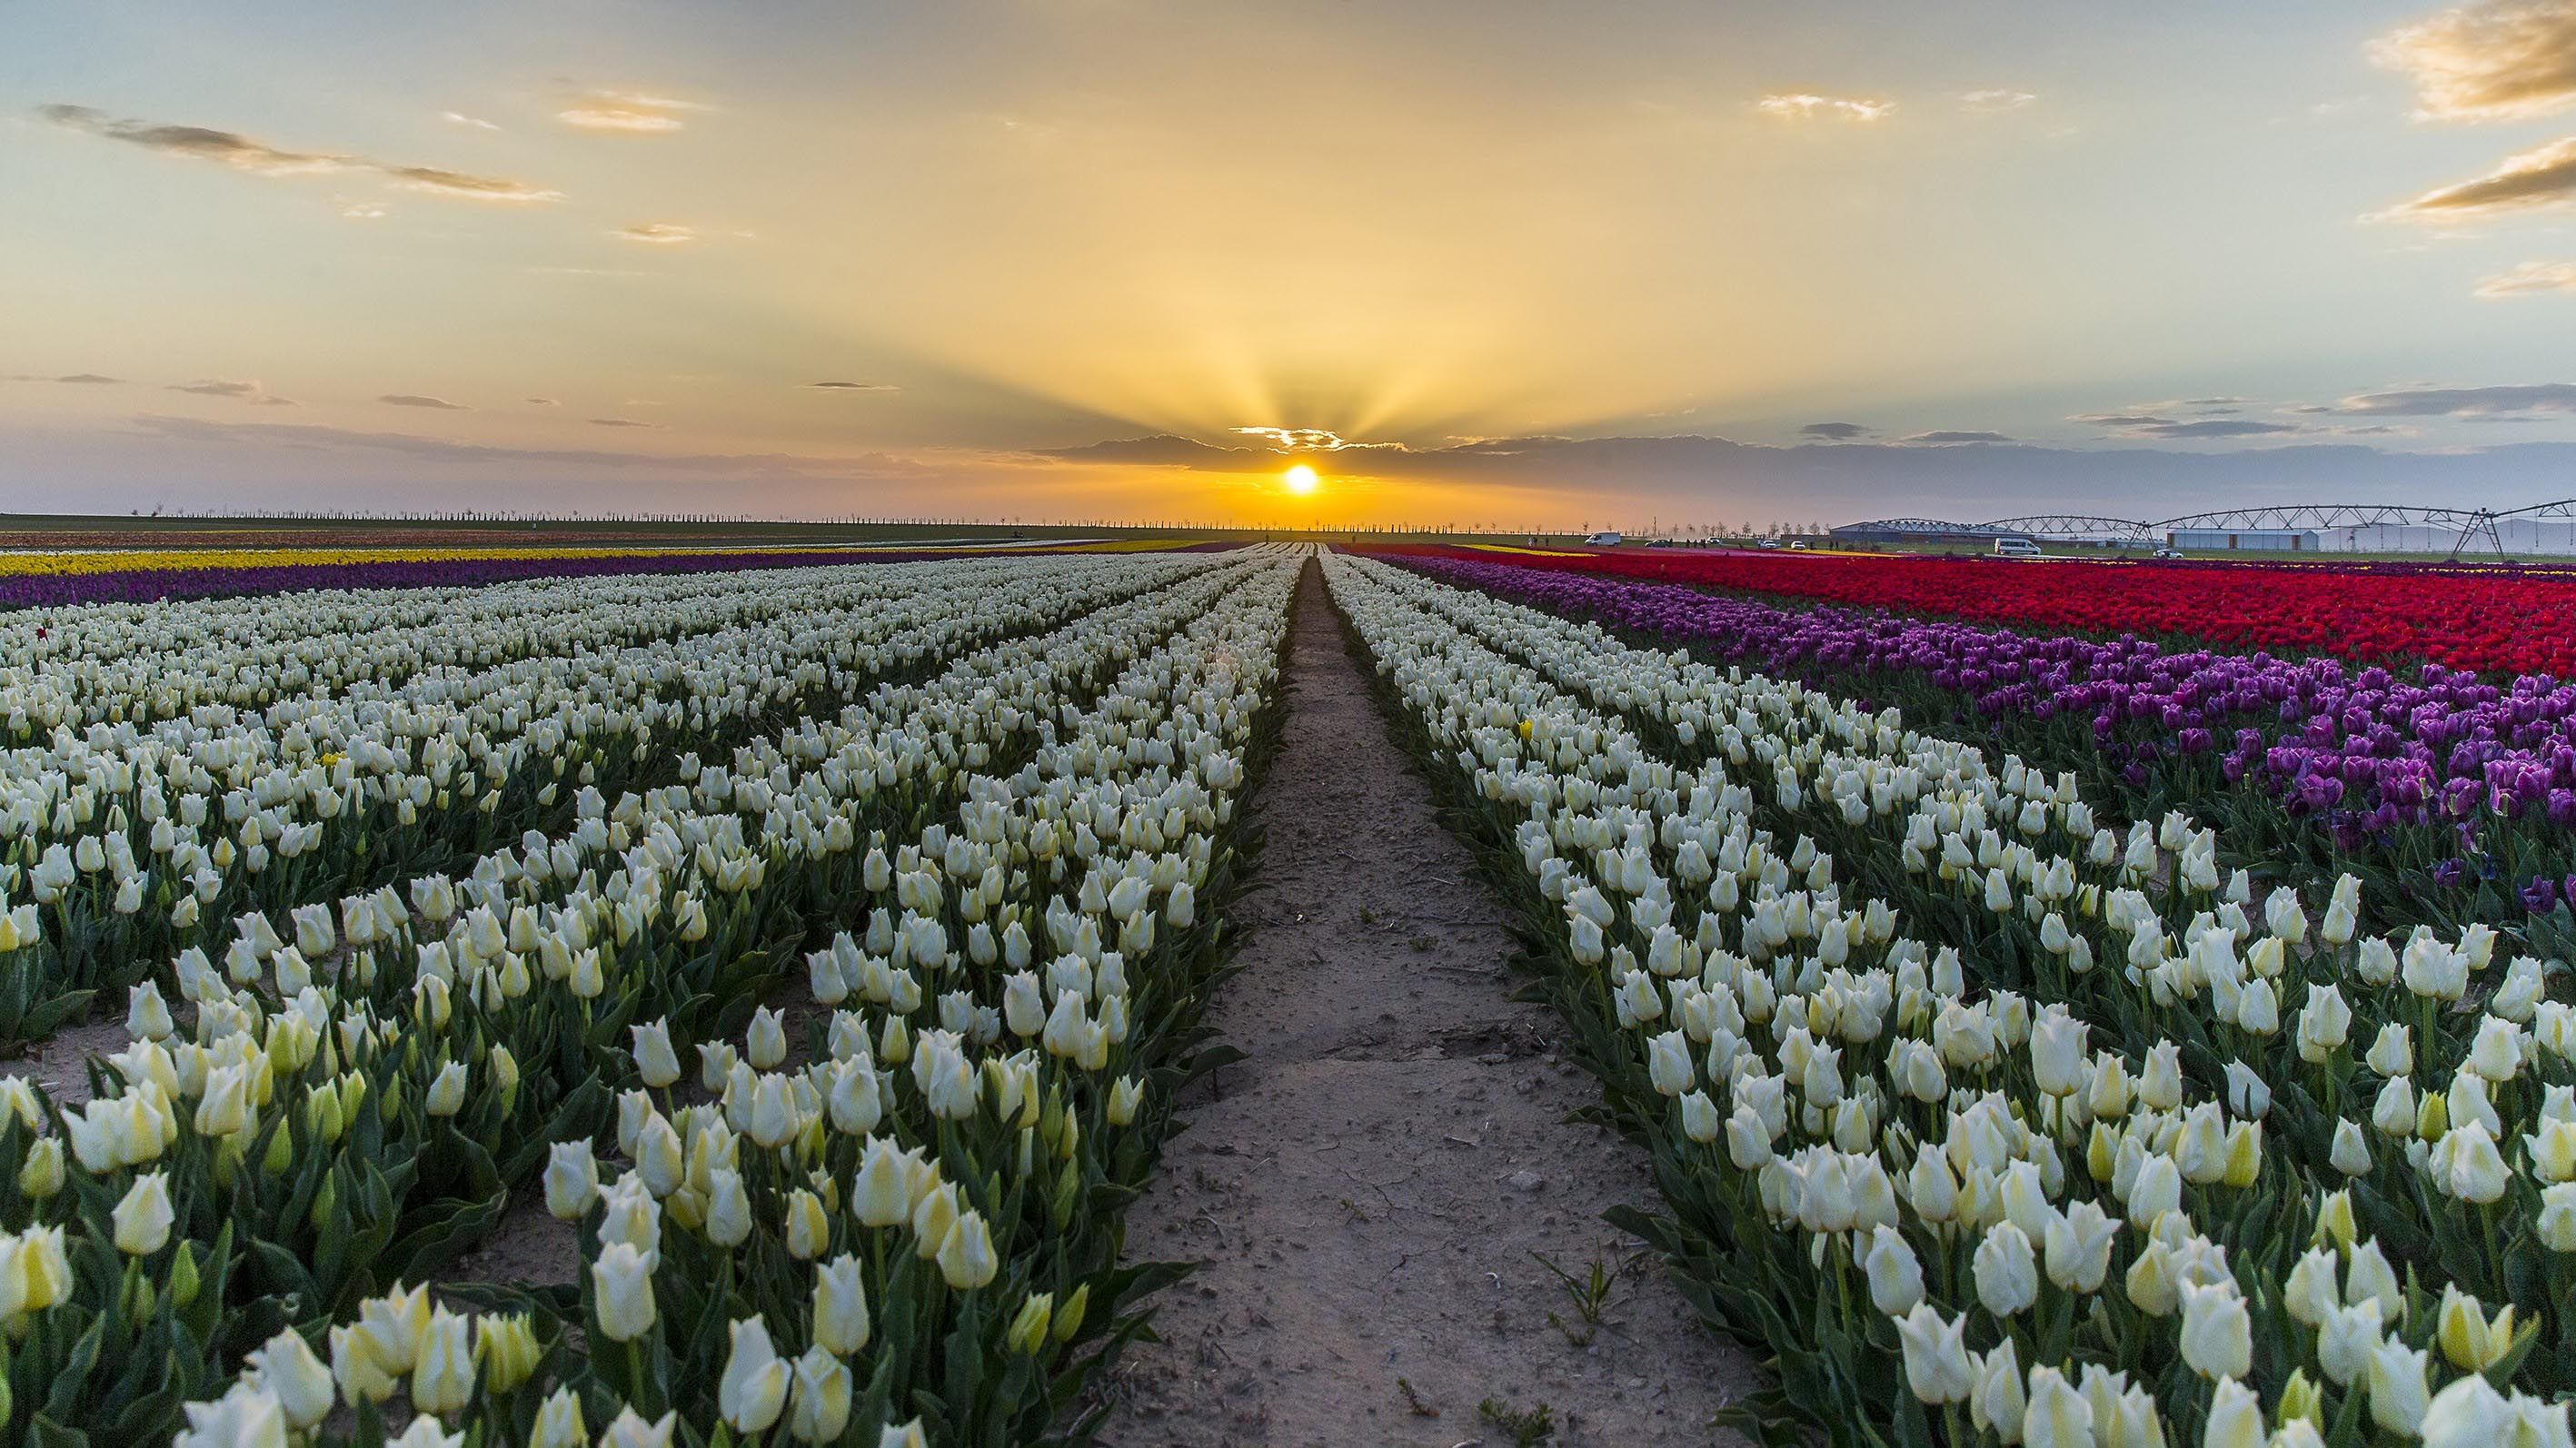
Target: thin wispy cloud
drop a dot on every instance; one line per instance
(630, 112)
(238, 152)
(79, 379)
(1987, 102)
(620, 422)
(237, 390)
(2542, 177)
(656, 233)
(2502, 60)
(2555, 397)
(1950, 437)
(364, 211)
(462, 119)
(1833, 431)
(2530, 279)
(854, 386)
(414, 399)
(2157, 425)
(542, 402)
(1803, 106)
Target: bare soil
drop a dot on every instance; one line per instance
(1374, 1193)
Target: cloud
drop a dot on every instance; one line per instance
(364, 211)
(1834, 431)
(250, 392)
(460, 118)
(2500, 60)
(1987, 102)
(620, 422)
(628, 112)
(1801, 106)
(255, 158)
(1948, 436)
(855, 386)
(1305, 439)
(1165, 450)
(85, 379)
(471, 188)
(2464, 401)
(656, 233)
(2540, 177)
(2154, 424)
(542, 402)
(2530, 277)
(413, 399)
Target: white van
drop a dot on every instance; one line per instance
(2016, 548)
(1603, 540)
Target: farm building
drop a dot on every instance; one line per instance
(2284, 540)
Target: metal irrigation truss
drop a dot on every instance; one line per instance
(2470, 525)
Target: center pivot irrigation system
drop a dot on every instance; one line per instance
(2470, 527)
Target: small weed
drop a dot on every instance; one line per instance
(1413, 1400)
(1528, 1429)
(1590, 1294)
(1367, 916)
(1423, 944)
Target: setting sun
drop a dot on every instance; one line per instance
(1301, 480)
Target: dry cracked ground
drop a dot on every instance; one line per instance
(1384, 1193)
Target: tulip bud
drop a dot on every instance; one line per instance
(507, 1349)
(622, 1282)
(2057, 1415)
(144, 1216)
(1936, 1355)
(559, 1423)
(841, 1323)
(2470, 1413)
(42, 1174)
(442, 1378)
(446, 1095)
(285, 1367)
(1028, 1330)
(966, 1256)
(753, 1390)
(822, 1400)
(2235, 1417)
(2556, 1226)
(655, 1061)
(1895, 1276)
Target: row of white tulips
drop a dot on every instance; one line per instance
(357, 1088)
(138, 837)
(1878, 1160)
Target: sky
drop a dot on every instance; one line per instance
(1481, 262)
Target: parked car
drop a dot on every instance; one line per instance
(1768, 543)
(1800, 546)
(2016, 548)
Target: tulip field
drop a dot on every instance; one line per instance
(2037, 1039)
(413, 899)
(1985, 1115)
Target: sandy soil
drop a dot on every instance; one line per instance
(1372, 1190)
(60, 1062)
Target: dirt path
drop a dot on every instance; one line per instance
(1369, 1189)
